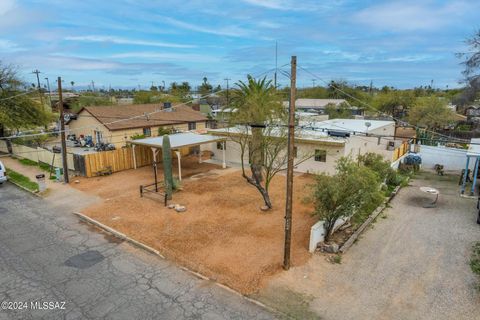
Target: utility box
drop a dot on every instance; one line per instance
(58, 174)
(41, 182)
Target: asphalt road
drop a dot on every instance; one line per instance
(48, 256)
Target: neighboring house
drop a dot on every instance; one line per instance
(324, 142)
(473, 113)
(319, 105)
(107, 124)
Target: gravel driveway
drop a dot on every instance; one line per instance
(413, 264)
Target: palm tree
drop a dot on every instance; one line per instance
(72, 83)
(257, 105)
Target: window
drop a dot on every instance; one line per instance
(192, 125)
(220, 145)
(147, 132)
(321, 155)
(295, 152)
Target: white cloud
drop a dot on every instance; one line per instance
(412, 16)
(6, 6)
(231, 31)
(9, 46)
(166, 56)
(119, 40)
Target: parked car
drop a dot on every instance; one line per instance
(3, 173)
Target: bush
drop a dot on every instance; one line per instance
(352, 192)
(137, 136)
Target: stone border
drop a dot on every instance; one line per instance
(153, 251)
(351, 240)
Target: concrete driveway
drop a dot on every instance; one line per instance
(413, 264)
(46, 255)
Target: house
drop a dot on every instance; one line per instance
(319, 105)
(473, 113)
(322, 143)
(118, 124)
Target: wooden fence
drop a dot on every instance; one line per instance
(117, 160)
(400, 151)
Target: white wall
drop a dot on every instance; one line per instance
(304, 151)
(450, 158)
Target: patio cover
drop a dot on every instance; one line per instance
(177, 141)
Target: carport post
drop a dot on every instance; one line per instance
(179, 155)
(154, 151)
(224, 164)
(474, 177)
(199, 153)
(465, 175)
(134, 157)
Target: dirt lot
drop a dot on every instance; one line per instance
(223, 234)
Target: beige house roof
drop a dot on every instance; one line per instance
(315, 103)
(147, 115)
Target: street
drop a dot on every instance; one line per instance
(49, 261)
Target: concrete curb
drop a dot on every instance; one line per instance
(351, 240)
(36, 194)
(151, 250)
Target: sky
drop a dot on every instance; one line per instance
(132, 43)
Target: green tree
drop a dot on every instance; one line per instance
(259, 107)
(431, 113)
(390, 101)
(471, 73)
(352, 190)
(341, 111)
(18, 109)
(205, 88)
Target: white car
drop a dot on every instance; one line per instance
(3, 173)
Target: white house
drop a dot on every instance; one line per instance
(323, 142)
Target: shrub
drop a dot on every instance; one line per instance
(137, 136)
(352, 192)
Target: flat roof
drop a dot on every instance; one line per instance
(357, 125)
(474, 149)
(178, 140)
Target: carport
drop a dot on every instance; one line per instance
(178, 141)
(473, 152)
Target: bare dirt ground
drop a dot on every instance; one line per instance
(413, 264)
(222, 235)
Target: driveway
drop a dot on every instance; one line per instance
(412, 264)
(46, 255)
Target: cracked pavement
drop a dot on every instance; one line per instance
(46, 254)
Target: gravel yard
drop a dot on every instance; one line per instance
(413, 264)
(222, 235)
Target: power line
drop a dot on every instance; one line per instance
(366, 104)
(138, 116)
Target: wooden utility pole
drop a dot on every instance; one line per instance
(37, 72)
(228, 97)
(62, 132)
(290, 155)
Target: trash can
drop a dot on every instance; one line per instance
(58, 174)
(41, 182)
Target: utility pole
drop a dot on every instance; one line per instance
(93, 86)
(38, 87)
(228, 97)
(313, 82)
(290, 155)
(276, 65)
(62, 132)
(49, 92)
